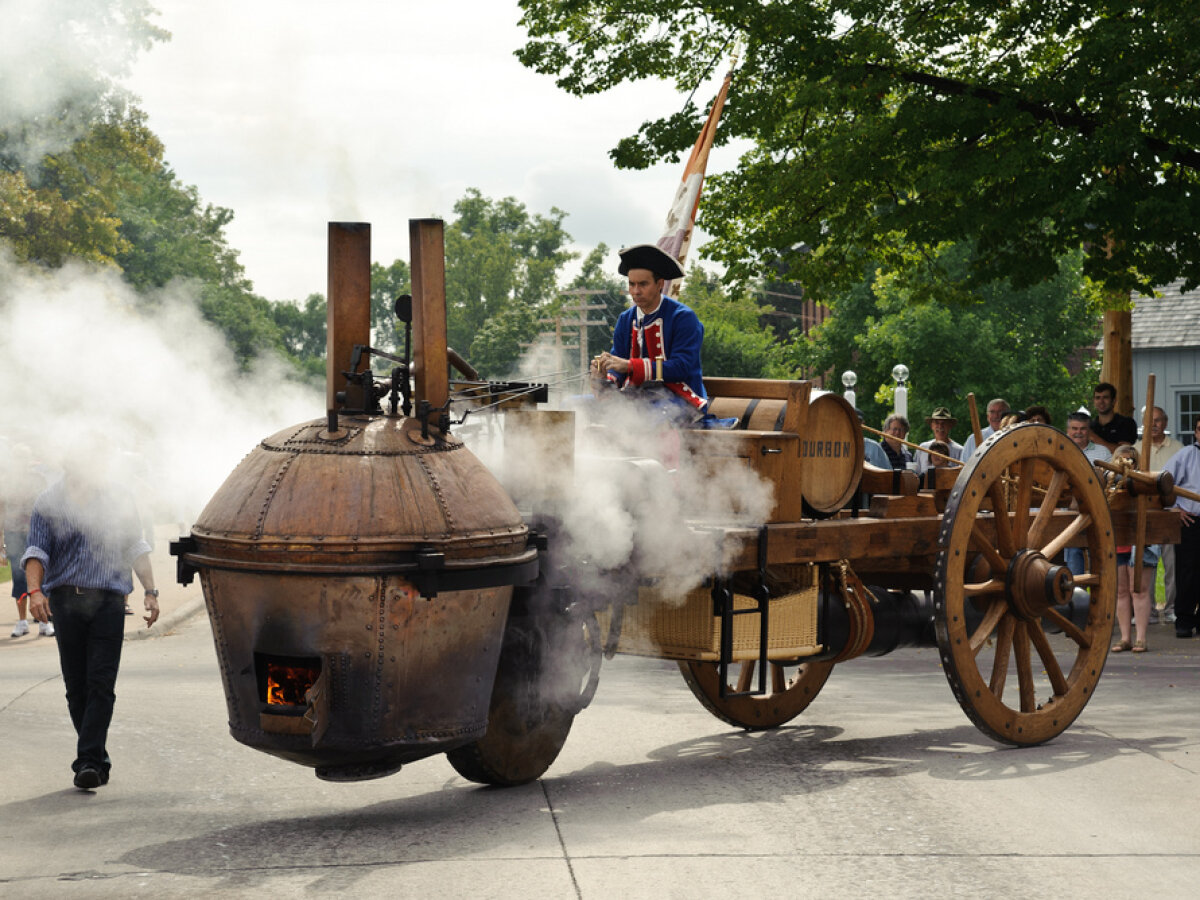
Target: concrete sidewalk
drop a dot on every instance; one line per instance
(881, 788)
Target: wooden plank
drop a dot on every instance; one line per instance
(867, 538)
(889, 481)
(789, 489)
(771, 454)
(348, 313)
(763, 388)
(901, 507)
(431, 359)
(942, 478)
(745, 444)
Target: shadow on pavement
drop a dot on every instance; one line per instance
(463, 821)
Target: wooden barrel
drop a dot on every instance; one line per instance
(831, 453)
(752, 414)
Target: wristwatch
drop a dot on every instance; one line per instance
(152, 592)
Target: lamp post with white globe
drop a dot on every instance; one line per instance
(900, 402)
(849, 380)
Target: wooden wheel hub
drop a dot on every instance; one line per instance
(1034, 584)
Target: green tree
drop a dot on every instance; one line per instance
(1032, 129)
(736, 343)
(170, 233)
(303, 327)
(388, 283)
(109, 198)
(245, 319)
(995, 341)
(82, 176)
(69, 204)
(61, 72)
(500, 262)
(498, 345)
(302, 332)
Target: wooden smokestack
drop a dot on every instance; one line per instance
(431, 374)
(348, 314)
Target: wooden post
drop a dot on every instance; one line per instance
(1143, 464)
(430, 349)
(1117, 366)
(348, 312)
(976, 431)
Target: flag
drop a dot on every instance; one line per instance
(677, 235)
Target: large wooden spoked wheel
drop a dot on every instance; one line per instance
(1020, 669)
(789, 691)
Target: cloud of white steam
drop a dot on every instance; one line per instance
(627, 493)
(59, 59)
(79, 357)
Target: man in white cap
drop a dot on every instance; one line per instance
(656, 342)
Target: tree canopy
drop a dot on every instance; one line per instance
(110, 198)
(82, 176)
(1032, 129)
(61, 64)
(736, 343)
(1022, 344)
(502, 265)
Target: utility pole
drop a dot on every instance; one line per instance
(581, 308)
(564, 328)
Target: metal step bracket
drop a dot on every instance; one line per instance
(723, 606)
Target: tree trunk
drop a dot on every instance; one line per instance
(1117, 366)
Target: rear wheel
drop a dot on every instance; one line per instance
(789, 691)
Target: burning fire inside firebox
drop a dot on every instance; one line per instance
(288, 681)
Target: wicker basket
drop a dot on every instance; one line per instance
(671, 628)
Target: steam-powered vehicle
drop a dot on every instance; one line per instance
(377, 596)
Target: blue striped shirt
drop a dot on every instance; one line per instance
(88, 546)
(1184, 467)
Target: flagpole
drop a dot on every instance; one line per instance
(681, 219)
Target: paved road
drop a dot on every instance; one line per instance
(881, 788)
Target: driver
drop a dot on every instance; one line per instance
(656, 342)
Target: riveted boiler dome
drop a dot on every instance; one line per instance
(374, 496)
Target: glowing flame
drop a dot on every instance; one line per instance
(287, 685)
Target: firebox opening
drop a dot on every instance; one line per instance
(284, 680)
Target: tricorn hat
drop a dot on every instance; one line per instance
(941, 414)
(648, 256)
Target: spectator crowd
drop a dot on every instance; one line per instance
(1102, 436)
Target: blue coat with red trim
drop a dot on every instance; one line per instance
(663, 347)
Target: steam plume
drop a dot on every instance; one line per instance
(78, 355)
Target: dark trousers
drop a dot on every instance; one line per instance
(1187, 578)
(90, 628)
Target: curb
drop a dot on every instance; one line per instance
(172, 620)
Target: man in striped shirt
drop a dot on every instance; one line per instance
(1184, 467)
(84, 538)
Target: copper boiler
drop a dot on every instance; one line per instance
(358, 569)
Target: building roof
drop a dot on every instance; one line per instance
(1171, 319)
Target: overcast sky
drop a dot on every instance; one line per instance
(297, 113)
